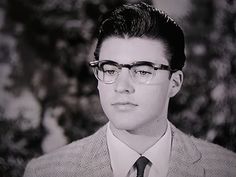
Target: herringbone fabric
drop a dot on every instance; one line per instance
(89, 157)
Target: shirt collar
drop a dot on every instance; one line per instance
(123, 157)
(159, 153)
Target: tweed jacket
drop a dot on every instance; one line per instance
(89, 157)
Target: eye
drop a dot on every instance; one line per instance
(142, 72)
(110, 72)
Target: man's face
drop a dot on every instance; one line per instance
(129, 105)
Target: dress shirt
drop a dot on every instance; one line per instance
(123, 157)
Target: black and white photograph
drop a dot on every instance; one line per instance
(117, 88)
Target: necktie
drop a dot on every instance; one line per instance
(140, 165)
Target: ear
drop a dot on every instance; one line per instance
(176, 82)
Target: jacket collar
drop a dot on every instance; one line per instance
(184, 156)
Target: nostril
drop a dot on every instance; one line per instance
(124, 90)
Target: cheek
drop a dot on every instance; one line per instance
(154, 98)
(104, 94)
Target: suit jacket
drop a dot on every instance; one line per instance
(89, 157)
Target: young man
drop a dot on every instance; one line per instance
(139, 58)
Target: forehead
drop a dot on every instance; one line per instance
(128, 50)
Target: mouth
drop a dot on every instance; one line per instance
(124, 106)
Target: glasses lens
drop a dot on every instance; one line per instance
(110, 72)
(142, 73)
(106, 72)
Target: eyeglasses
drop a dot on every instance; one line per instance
(142, 72)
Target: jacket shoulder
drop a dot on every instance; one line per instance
(212, 151)
(216, 160)
(67, 158)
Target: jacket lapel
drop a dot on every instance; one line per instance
(184, 156)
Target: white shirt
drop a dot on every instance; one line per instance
(123, 157)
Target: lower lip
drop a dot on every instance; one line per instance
(124, 107)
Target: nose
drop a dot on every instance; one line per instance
(123, 83)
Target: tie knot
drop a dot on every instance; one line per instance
(140, 165)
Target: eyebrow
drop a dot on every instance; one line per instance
(155, 66)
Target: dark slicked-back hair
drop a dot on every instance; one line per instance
(144, 21)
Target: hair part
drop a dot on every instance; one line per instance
(144, 21)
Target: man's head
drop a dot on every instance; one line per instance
(140, 53)
(144, 21)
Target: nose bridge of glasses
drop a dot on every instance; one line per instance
(123, 82)
(124, 66)
(124, 75)
(128, 66)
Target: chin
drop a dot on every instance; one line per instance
(125, 125)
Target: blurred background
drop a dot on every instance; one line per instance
(48, 94)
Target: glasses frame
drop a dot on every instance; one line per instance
(99, 63)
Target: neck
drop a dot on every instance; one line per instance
(143, 138)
